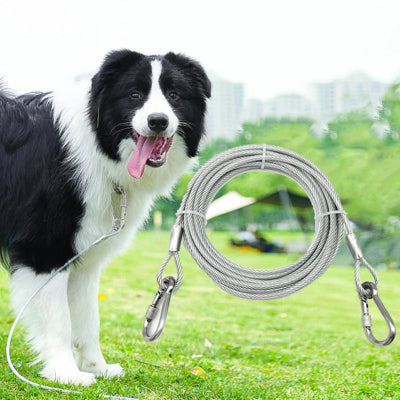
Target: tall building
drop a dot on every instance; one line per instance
(353, 92)
(324, 100)
(225, 108)
(253, 110)
(288, 106)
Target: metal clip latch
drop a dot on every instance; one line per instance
(118, 223)
(366, 320)
(156, 315)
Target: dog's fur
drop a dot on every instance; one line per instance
(61, 155)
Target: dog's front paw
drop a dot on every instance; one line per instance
(104, 370)
(113, 371)
(65, 375)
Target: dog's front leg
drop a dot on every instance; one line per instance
(47, 319)
(83, 301)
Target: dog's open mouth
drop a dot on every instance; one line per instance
(150, 150)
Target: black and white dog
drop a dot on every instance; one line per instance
(137, 126)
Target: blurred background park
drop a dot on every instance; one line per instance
(319, 78)
(350, 130)
(331, 94)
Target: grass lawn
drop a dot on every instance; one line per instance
(308, 346)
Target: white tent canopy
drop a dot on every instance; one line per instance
(230, 201)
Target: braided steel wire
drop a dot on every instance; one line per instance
(331, 223)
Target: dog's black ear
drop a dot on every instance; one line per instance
(193, 71)
(114, 63)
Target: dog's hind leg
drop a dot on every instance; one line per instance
(83, 301)
(48, 323)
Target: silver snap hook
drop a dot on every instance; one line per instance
(366, 319)
(156, 315)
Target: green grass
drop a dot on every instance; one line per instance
(308, 346)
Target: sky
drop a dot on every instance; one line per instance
(273, 47)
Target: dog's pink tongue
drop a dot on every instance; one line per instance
(144, 148)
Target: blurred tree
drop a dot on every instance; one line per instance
(390, 112)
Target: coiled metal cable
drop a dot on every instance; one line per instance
(331, 224)
(256, 284)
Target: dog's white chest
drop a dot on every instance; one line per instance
(97, 221)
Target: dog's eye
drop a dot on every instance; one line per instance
(173, 95)
(136, 95)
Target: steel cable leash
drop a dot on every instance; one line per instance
(331, 224)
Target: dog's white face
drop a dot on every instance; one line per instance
(154, 125)
(149, 99)
(156, 115)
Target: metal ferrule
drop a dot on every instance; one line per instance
(354, 246)
(176, 238)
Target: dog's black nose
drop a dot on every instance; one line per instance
(157, 122)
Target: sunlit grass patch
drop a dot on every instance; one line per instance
(308, 346)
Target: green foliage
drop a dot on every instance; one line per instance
(390, 111)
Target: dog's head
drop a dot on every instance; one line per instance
(149, 100)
